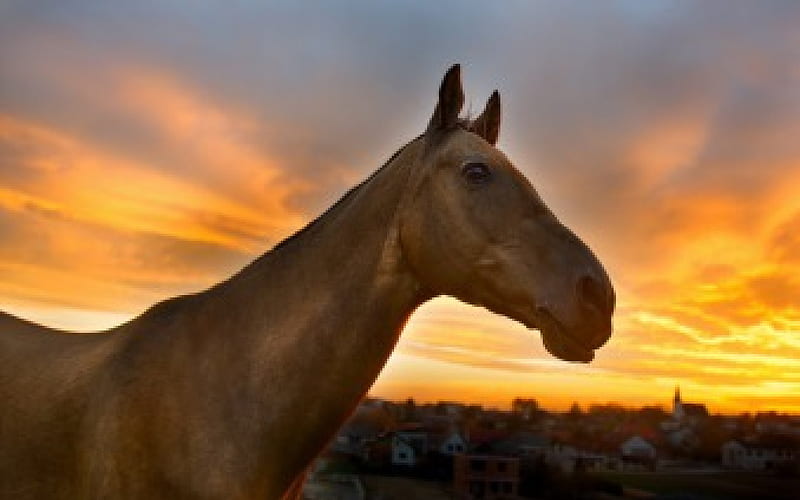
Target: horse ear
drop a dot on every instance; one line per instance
(487, 125)
(451, 99)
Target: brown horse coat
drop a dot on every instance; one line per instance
(230, 393)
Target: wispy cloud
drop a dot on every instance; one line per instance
(149, 150)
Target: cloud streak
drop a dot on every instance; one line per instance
(150, 150)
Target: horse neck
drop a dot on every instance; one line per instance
(285, 349)
(325, 309)
(353, 246)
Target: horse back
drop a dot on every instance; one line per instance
(45, 387)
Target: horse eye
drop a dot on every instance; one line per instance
(476, 173)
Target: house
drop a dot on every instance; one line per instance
(370, 420)
(354, 435)
(450, 443)
(409, 447)
(773, 423)
(638, 454)
(684, 438)
(759, 454)
(414, 441)
(489, 477)
(570, 458)
(680, 429)
(637, 447)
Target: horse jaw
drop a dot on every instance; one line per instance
(559, 342)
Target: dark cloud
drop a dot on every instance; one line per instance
(348, 85)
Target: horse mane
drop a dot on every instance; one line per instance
(341, 200)
(175, 304)
(464, 123)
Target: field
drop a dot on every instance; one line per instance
(403, 488)
(709, 486)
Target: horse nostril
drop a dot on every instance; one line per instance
(592, 292)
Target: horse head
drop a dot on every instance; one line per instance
(476, 229)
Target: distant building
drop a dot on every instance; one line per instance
(683, 437)
(486, 477)
(525, 408)
(450, 443)
(680, 429)
(411, 445)
(354, 435)
(773, 423)
(636, 446)
(451, 409)
(524, 444)
(408, 447)
(758, 455)
(570, 458)
(689, 413)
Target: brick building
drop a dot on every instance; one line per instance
(487, 477)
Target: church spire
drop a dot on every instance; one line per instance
(677, 405)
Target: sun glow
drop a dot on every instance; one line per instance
(128, 175)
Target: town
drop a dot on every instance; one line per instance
(397, 450)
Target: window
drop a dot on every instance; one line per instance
(502, 466)
(402, 455)
(506, 487)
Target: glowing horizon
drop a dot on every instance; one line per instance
(137, 166)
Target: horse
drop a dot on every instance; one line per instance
(231, 392)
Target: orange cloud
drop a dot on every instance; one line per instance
(89, 227)
(137, 165)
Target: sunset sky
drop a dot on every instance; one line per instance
(149, 149)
